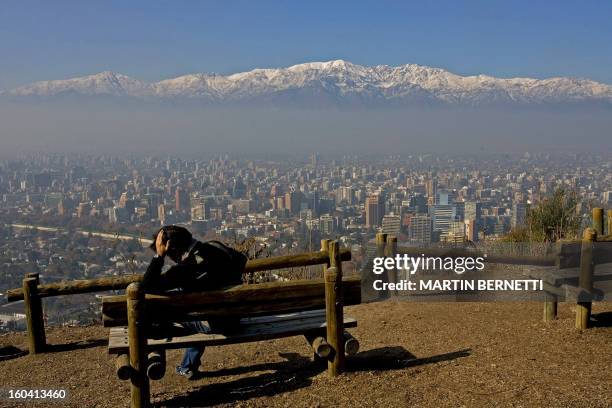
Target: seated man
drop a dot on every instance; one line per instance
(198, 266)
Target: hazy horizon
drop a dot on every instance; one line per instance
(161, 129)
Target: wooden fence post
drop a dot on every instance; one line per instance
(34, 316)
(325, 248)
(550, 307)
(34, 275)
(381, 241)
(390, 252)
(598, 220)
(585, 281)
(609, 222)
(381, 245)
(139, 388)
(333, 311)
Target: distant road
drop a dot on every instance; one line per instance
(105, 235)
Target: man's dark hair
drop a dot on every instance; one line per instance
(180, 237)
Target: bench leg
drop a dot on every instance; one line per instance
(550, 307)
(122, 367)
(319, 345)
(156, 365)
(351, 345)
(139, 387)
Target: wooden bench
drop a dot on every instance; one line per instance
(33, 291)
(581, 266)
(309, 308)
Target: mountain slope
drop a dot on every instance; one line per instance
(338, 82)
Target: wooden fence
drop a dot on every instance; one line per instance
(33, 291)
(584, 254)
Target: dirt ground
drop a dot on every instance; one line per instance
(412, 354)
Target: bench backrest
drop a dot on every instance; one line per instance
(238, 301)
(121, 282)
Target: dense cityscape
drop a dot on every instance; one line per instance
(59, 213)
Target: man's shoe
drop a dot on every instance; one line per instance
(186, 372)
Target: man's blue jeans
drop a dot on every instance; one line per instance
(192, 356)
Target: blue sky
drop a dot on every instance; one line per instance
(152, 40)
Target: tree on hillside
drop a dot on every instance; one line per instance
(550, 220)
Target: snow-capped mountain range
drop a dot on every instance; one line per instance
(336, 82)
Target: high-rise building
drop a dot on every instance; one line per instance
(83, 210)
(442, 216)
(153, 202)
(181, 199)
(391, 224)
(519, 215)
(293, 201)
(443, 197)
(314, 159)
(375, 210)
(161, 214)
(420, 229)
(200, 210)
(471, 232)
(456, 233)
(419, 203)
(345, 195)
(61, 208)
(239, 188)
(472, 211)
(327, 224)
(113, 215)
(314, 199)
(242, 206)
(276, 191)
(431, 188)
(279, 203)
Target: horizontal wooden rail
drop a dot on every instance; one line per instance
(242, 301)
(121, 282)
(78, 286)
(291, 261)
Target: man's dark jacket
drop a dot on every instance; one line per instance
(205, 266)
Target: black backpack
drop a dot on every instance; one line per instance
(221, 265)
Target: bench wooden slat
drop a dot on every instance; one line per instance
(566, 293)
(242, 301)
(570, 276)
(118, 339)
(249, 321)
(281, 317)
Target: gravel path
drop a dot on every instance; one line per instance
(412, 354)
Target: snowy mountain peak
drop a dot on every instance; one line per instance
(338, 82)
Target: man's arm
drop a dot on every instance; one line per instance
(177, 276)
(152, 276)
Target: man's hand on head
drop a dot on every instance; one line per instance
(160, 248)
